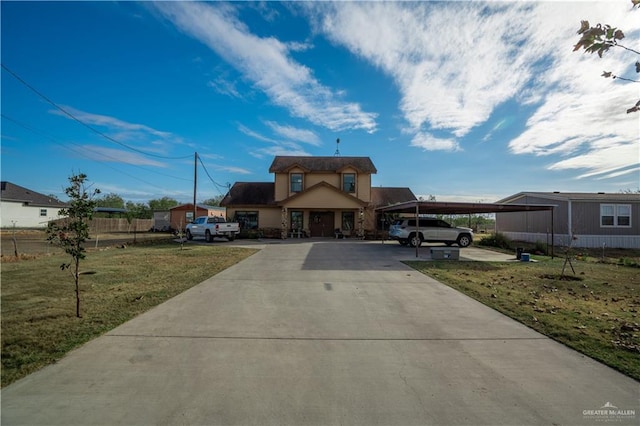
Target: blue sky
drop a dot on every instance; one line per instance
(466, 101)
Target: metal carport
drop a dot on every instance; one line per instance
(444, 207)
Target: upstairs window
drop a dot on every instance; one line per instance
(296, 182)
(349, 182)
(615, 215)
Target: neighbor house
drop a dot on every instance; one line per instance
(24, 208)
(582, 219)
(183, 214)
(313, 196)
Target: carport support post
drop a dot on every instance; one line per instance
(553, 236)
(417, 227)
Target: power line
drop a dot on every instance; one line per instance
(210, 178)
(52, 139)
(70, 115)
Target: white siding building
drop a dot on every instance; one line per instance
(24, 208)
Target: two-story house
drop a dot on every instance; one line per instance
(313, 196)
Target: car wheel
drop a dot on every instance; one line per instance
(207, 236)
(189, 236)
(464, 240)
(415, 240)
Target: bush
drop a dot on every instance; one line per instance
(496, 240)
(625, 261)
(540, 248)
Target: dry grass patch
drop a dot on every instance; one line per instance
(38, 302)
(594, 311)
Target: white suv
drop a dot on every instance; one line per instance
(430, 230)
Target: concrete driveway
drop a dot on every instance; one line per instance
(322, 333)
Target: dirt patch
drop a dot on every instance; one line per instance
(561, 277)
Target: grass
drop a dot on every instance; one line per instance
(38, 319)
(594, 312)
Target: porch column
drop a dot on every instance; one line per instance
(283, 230)
(361, 222)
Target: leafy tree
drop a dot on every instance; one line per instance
(599, 39)
(215, 201)
(139, 210)
(164, 203)
(110, 200)
(73, 231)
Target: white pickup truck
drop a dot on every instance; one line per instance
(209, 227)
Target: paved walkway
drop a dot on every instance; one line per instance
(321, 333)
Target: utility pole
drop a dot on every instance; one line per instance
(195, 183)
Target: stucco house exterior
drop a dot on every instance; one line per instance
(313, 196)
(24, 208)
(582, 219)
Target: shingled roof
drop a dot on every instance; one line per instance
(250, 194)
(387, 196)
(322, 164)
(19, 194)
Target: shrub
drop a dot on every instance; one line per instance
(625, 261)
(540, 248)
(496, 240)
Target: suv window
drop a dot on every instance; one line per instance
(424, 223)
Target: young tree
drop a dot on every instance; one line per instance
(73, 231)
(599, 39)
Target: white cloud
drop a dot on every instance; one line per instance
(99, 153)
(247, 131)
(450, 77)
(231, 169)
(130, 130)
(454, 63)
(277, 147)
(266, 62)
(295, 134)
(611, 160)
(225, 87)
(275, 150)
(430, 143)
(137, 137)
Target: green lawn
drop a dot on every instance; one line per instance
(39, 325)
(594, 311)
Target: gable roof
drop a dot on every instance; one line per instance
(250, 193)
(322, 164)
(575, 196)
(322, 184)
(387, 196)
(19, 194)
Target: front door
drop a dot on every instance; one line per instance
(321, 224)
